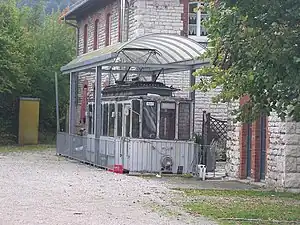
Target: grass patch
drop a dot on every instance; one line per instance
(153, 175)
(241, 193)
(245, 206)
(27, 148)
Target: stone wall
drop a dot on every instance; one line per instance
(158, 16)
(283, 162)
(101, 15)
(232, 166)
(282, 156)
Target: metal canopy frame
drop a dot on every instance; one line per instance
(151, 55)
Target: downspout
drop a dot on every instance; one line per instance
(127, 18)
(77, 35)
(124, 4)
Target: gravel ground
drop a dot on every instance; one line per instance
(41, 188)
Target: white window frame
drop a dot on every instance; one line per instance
(198, 36)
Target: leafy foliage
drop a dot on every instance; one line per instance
(254, 50)
(13, 49)
(33, 46)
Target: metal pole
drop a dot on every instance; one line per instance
(98, 109)
(177, 121)
(98, 101)
(72, 107)
(57, 104)
(158, 119)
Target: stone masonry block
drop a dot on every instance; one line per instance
(291, 164)
(292, 180)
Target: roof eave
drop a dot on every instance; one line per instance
(78, 8)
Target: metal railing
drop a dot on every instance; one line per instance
(98, 152)
(136, 155)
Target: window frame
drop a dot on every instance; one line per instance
(95, 47)
(197, 36)
(108, 29)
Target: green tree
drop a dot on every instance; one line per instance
(33, 46)
(54, 47)
(13, 48)
(254, 50)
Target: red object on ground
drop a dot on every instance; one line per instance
(118, 169)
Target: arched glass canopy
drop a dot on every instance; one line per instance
(148, 54)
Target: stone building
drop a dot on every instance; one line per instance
(104, 23)
(265, 151)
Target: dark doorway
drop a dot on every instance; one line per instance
(249, 138)
(263, 136)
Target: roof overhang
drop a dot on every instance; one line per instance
(147, 54)
(82, 7)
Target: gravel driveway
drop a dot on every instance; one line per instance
(41, 188)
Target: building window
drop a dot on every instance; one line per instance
(85, 38)
(108, 30)
(96, 34)
(196, 18)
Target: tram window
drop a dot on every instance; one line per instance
(119, 120)
(135, 118)
(149, 119)
(127, 111)
(111, 119)
(91, 118)
(184, 121)
(105, 120)
(167, 121)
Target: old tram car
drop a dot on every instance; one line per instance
(144, 128)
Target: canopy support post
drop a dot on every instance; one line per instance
(177, 121)
(158, 119)
(192, 96)
(72, 106)
(98, 113)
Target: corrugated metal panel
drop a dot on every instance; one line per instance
(136, 155)
(145, 155)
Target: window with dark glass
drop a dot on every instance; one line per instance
(149, 119)
(96, 34)
(105, 120)
(119, 120)
(91, 119)
(111, 119)
(127, 112)
(135, 118)
(167, 121)
(85, 38)
(108, 30)
(184, 121)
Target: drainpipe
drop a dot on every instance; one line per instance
(124, 4)
(77, 35)
(127, 18)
